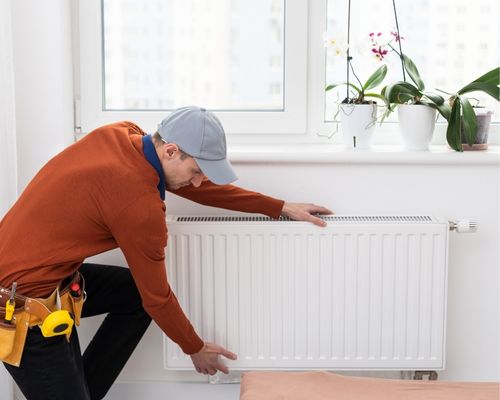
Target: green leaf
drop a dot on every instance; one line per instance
(357, 89)
(435, 98)
(454, 127)
(444, 109)
(401, 92)
(469, 121)
(330, 87)
(492, 77)
(403, 98)
(485, 87)
(412, 70)
(376, 78)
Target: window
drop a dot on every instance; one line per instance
(235, 57)
(261, 64)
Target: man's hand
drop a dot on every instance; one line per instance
(207, 361)
(303, 212)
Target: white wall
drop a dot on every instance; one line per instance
(41, 33)
(8, 170)
(41, 111)
(42, 59)
(8, 166)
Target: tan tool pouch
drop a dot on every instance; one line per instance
(32, 312)
(7, 337)
(13, 336)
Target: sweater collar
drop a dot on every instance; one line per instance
(152, 157)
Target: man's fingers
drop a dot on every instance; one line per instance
(222, 351)
(221, 367)
(210, 362)
(317, 221)
(228, 354)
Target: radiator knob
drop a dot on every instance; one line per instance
(464, 226)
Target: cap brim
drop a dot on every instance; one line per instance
(219, 172)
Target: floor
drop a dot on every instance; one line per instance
(174, 391)
(167, 391)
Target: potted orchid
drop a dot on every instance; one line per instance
(468, 125)
(463, 129)
(358, 113)
(416, 107)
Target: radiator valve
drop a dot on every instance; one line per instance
(463, 226)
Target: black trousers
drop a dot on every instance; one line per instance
(52, 368)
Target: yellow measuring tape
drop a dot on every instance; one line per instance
(58, 322)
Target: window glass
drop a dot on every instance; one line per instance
(164, 54)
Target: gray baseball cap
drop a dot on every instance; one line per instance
(200, 134)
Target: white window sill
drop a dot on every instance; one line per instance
(338, 154)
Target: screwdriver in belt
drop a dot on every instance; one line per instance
(11, 304)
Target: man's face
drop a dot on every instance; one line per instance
(180, 170)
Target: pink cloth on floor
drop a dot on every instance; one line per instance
(328, 386)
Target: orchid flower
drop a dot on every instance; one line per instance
(337, 43)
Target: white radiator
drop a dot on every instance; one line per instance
(366, 292)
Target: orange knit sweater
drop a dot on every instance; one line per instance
(98, 194)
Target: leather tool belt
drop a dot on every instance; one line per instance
(30, 312)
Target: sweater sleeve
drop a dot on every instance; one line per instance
(232, 197)
(140, 231)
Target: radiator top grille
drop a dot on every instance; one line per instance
(328, 218)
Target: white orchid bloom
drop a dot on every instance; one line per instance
(336, 43)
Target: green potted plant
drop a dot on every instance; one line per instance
(468, 126)
(416, 107)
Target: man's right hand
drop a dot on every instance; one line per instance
(207, 360)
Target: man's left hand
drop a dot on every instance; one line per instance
(303, 212)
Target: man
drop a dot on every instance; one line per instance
(107, 191)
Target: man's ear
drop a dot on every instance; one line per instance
(170, 150)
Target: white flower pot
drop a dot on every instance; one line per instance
(358, 124)
(416, 124)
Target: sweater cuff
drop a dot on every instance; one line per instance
(194, 346)
(274, 208)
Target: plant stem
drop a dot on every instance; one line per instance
(399, 40)
(360, 84)
(394, 50)
(348, 45)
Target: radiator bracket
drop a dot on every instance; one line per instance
(419, 375)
